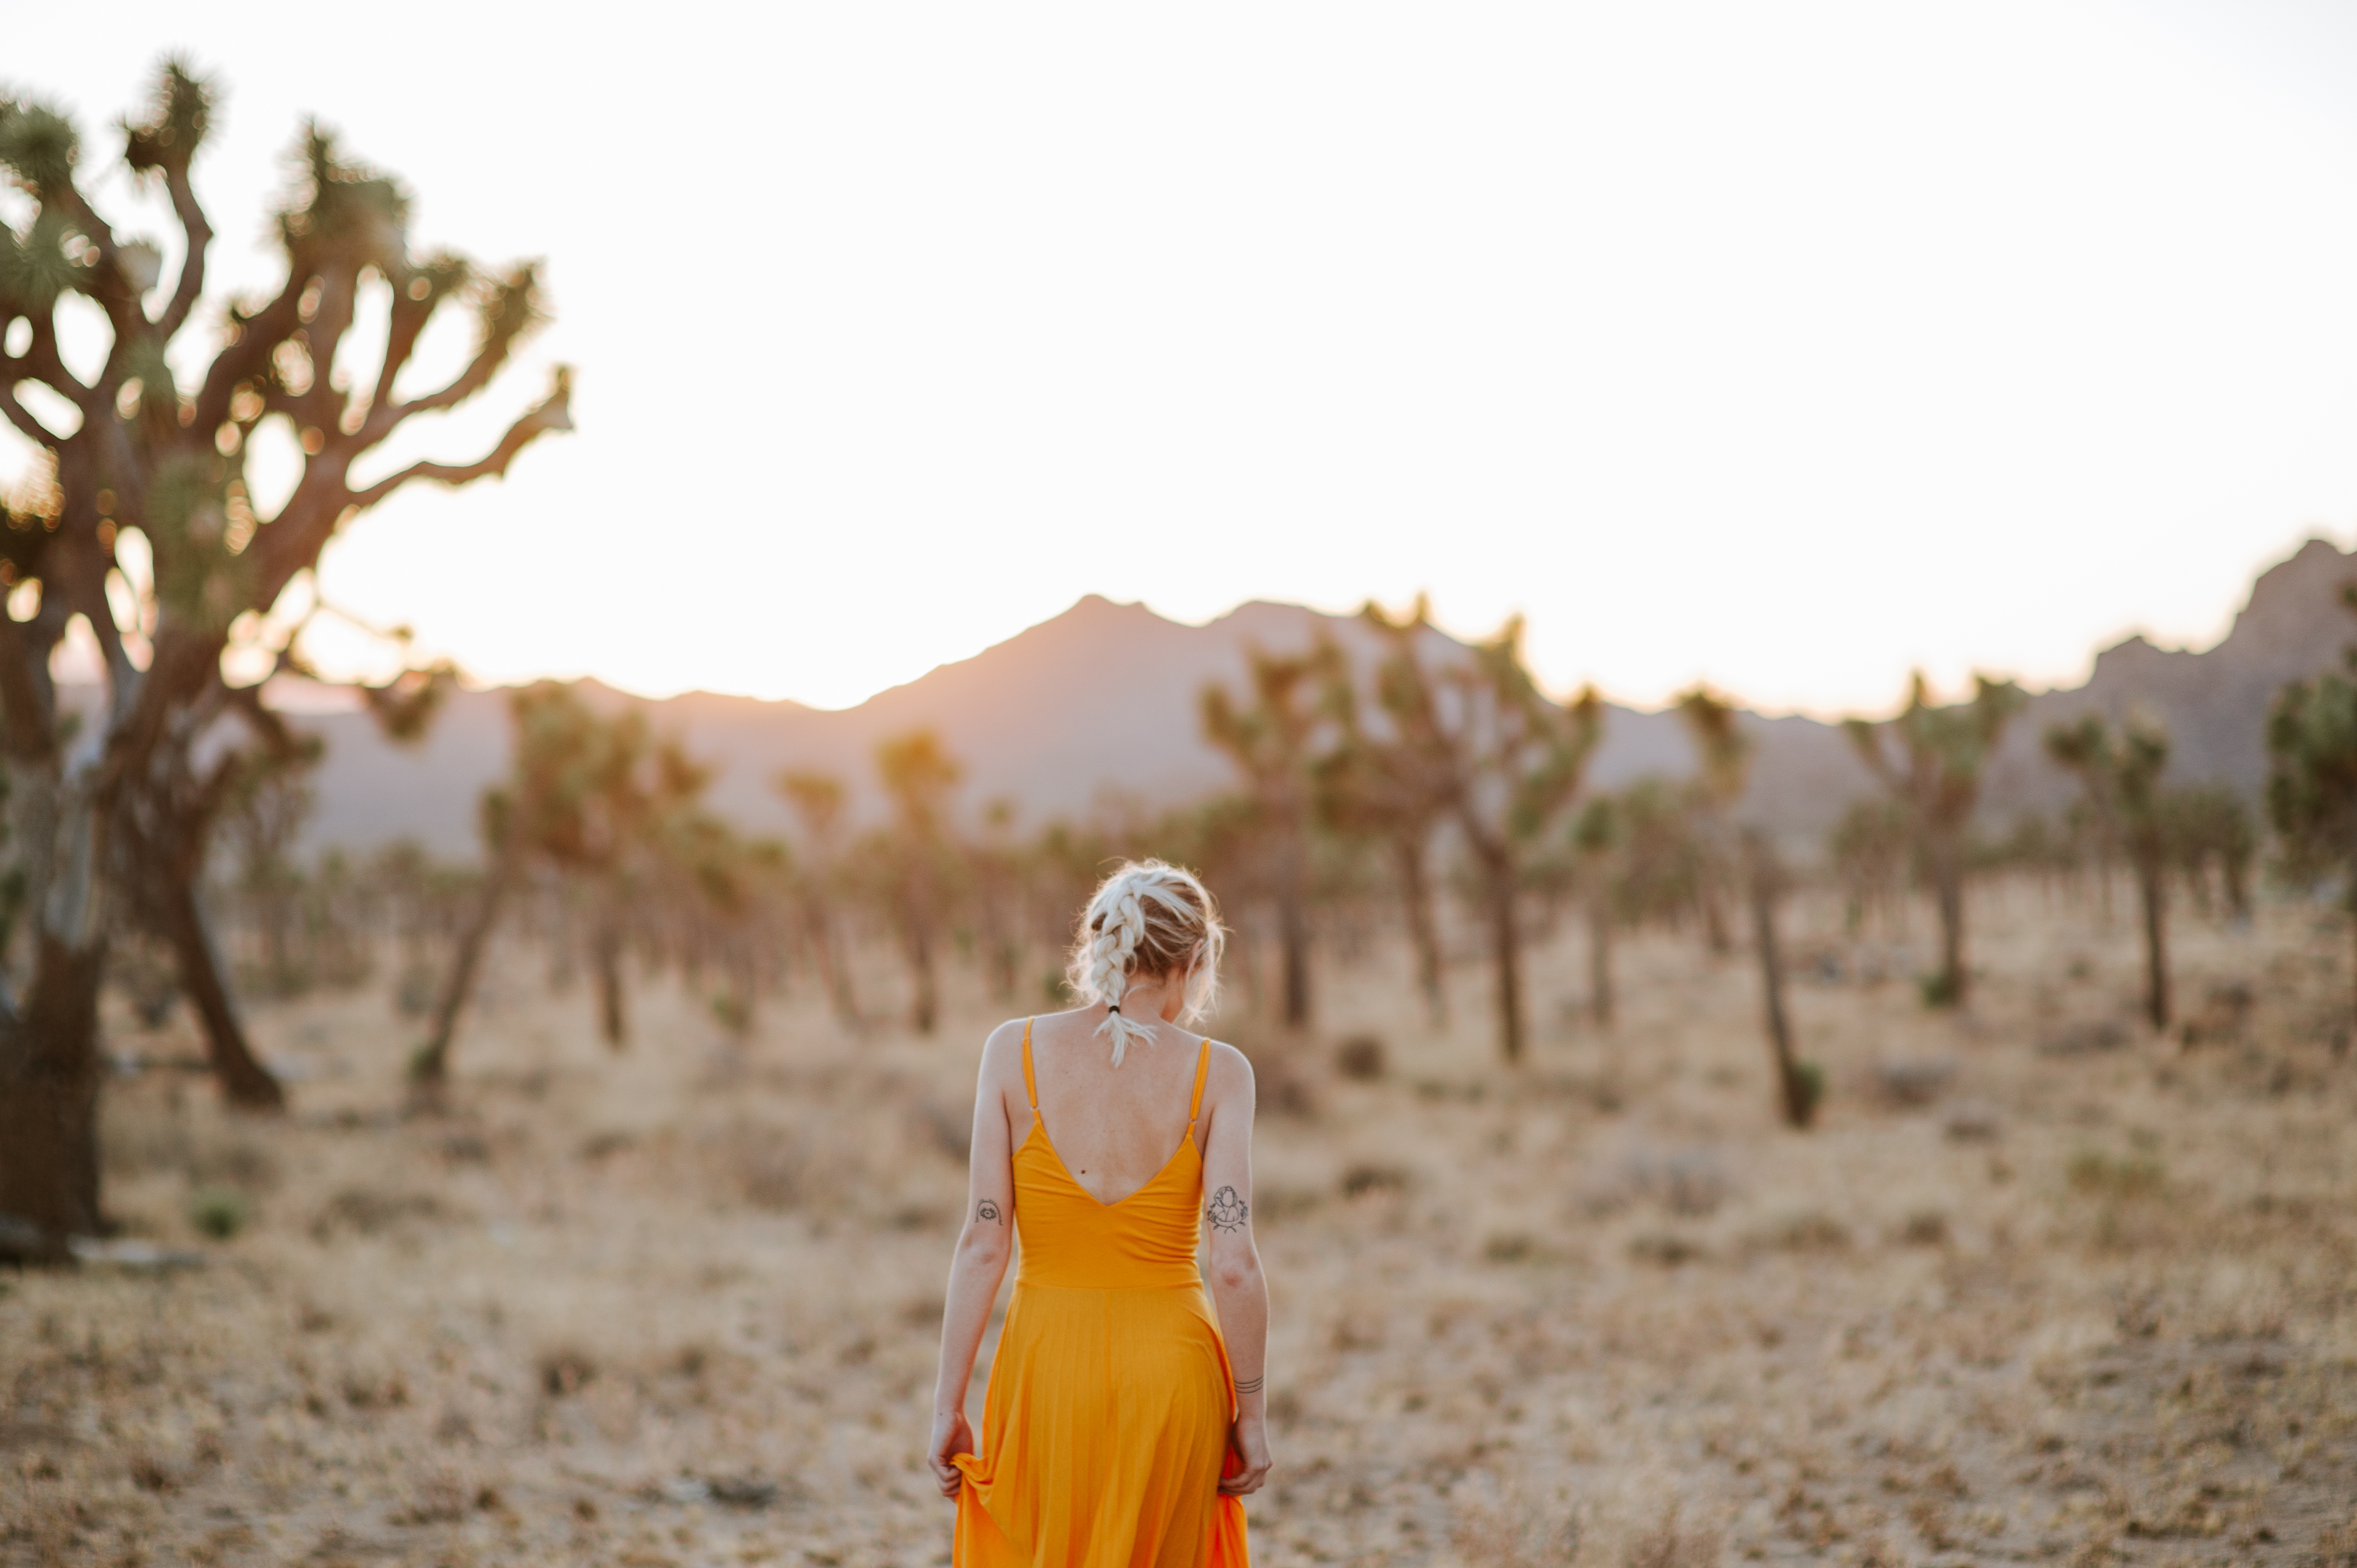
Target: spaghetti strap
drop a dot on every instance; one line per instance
(1031, 1087)
(1202, 1070)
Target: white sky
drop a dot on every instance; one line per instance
(1787, 346)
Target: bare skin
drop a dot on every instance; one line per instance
(1115, 1129)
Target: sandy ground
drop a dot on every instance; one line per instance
(2039, 1287)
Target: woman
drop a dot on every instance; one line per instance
(1123, 1426)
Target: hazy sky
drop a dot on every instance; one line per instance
(1787, 346)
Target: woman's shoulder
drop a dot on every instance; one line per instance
(1230, 1068)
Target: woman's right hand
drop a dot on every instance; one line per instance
(1250, 1439)
(952, 1435)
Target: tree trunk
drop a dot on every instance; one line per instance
(431, 1065)
(244, 1079)
(1948, 889)
(49, 1104)
(1415, 891)
(834, 967)
(1713, 917)
(2152, 884)
(926, 1012)
(605, 957)
(1799, 1102)
(1600, 956)
(1505, 951)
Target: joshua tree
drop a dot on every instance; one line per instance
(918, 774)
(106, 830)
(2213, 823)
(1936, 777)
(1506, 759)
(2312, 774)
(2121, 780)
(601, 802)
(1275, 745)
(1377, 784)
(1800, 1084)
(1724, 753)
(817, 801)
(1596, 844)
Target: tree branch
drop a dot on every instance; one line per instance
(554, 413)
(199, 234)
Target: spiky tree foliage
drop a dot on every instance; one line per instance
(1724, 752)
(2120, 777)
(1929, 757)
(919, 861)
(1506, 759)
(2312, 774)
(1277, 739)
(115, 831)
(602, 803)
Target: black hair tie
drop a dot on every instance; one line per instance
(1112, 1006)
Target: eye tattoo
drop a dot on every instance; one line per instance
(987, 1211)
(1226, 1212)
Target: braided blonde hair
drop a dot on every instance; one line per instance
(1146, 918)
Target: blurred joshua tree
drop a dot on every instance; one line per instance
(817, 800)
(1868, 847)
(918, 774)
(1001, 882)
(2313, 773)
(106, 834)
(1379, 784)
(1936, 777)
(2120, 777)
(1277, 744)
(1596, 847)
(1725, 754)
(1507, 759)
(2213, 823)
(1799, 1085)
(603, 804)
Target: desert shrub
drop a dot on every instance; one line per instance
(220, 1213)
(1666, 1248)
(564, 1369)
(1808, 1230)
(1364, 1179)
(369, 1212)
(2113, 1175)
(1684, 1181)
(1517, 1533)
(1360, 1058)
(1810, 1076)
(1925, 1228)
(1917, 1082)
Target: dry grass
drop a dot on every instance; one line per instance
(2039, 1288)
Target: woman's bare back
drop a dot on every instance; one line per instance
(1113, 1127)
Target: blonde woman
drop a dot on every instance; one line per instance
(1123, 1423)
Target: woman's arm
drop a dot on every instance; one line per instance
(1237, 1288)
(980, 1262)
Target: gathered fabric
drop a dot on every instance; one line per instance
(1106, 1427)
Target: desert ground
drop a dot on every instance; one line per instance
(2042, 1286)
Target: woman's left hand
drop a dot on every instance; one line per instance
(952, 1435)
(1251, 1442)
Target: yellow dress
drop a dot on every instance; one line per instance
(1104, 1431)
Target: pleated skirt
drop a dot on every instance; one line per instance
(1105, 1434)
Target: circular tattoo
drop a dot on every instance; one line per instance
(987, 1209)
(1226, 1212)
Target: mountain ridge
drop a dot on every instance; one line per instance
(1099, 702)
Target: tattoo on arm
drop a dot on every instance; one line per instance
(1252, 1385)
(1226, 1212)
(986, 1211)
